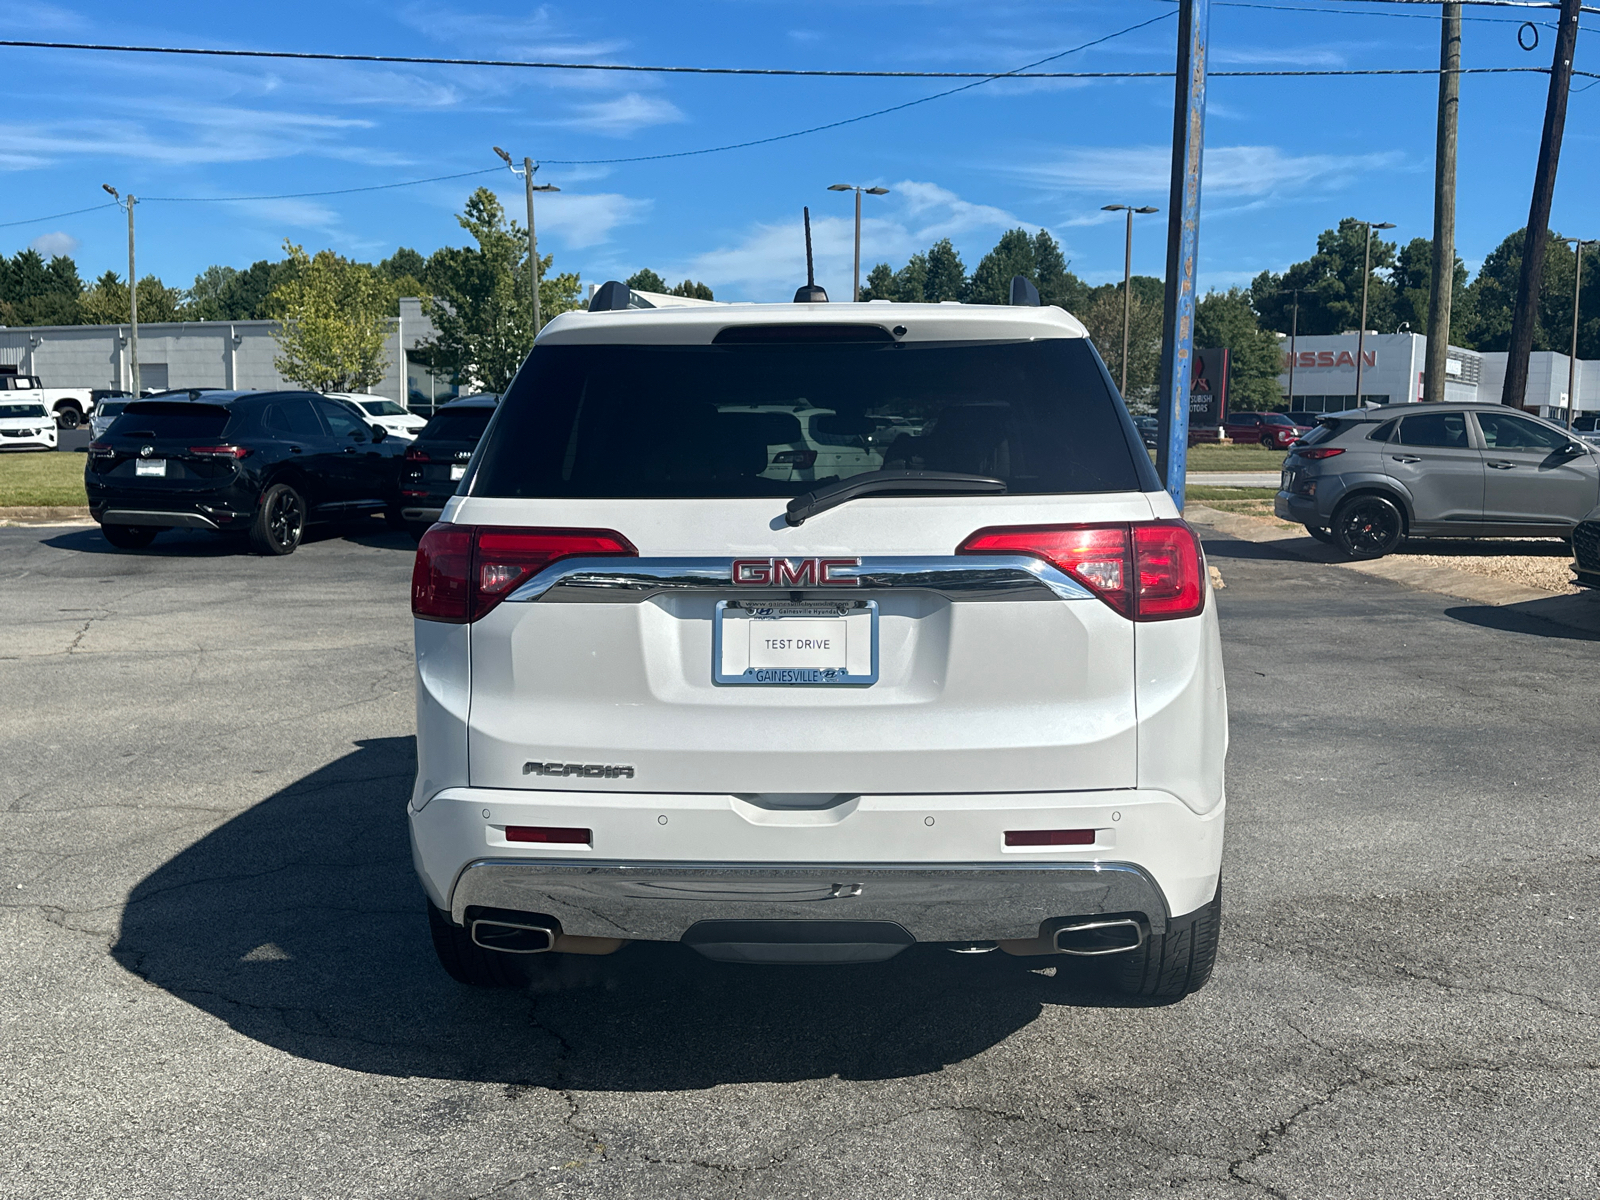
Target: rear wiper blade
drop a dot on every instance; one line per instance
(873, 483)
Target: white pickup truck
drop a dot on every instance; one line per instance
(69, 406)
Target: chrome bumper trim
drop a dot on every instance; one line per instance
(163, 520)
(954, 902)
(955, 577)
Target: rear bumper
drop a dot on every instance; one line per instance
(935, 864)
(951, 903)
(421, 514)
(1302, 510)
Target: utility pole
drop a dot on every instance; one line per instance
(1127, 280)
(133, 292)
(1444, 204)
(855, 290)
(1525, 315)
(528, 168)
(1183, 245)
(1366, 277)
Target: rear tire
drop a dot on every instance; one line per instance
(1367, 527)
(1171, 965)
(467, 962)
(280, 522)
(129, 537)
(1321, 534)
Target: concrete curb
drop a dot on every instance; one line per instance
(32, 514)
(1580, 612)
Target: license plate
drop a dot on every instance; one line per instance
(799, 643)
(150, 466)
(457, 472)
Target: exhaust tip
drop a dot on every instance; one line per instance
(510, 938)
(1090, 939)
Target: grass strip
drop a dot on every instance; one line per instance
(46, 478)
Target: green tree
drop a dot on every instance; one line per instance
(1413, 283)
(1255, 355)
(1330, 286)
(692, 290)
(33, 292)
(880, 284)
(1102, 317)
(646, 280)
(1493, 295)
(946, 273)
(404, 263)
(482, 306)
(991, 280)
(1056, 284)
(332, 330)
(106, 303)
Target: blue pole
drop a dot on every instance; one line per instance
(1183, 239)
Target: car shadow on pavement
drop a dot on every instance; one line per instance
(301, 925)
(1575, 618)
(202, 543)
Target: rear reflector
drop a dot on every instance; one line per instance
(220, 451)
(1049, 837)
(549, 833)
(1149, 571)
(463, 571)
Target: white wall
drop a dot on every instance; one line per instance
(225, 354)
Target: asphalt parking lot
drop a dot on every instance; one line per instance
(218, 979)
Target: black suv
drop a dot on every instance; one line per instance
(260, 463)
(437, 460)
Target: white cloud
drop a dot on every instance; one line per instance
(1240, 171)
(576, 219)
(622, 115)
(769, 260)
(51, 244)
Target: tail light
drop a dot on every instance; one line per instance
(463, 571)
(220, 451)
(804, 459)
(1317, 453)
(416, 454)
(1150, 571)
(100, 450)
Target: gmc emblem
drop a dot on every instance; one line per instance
(793, 572)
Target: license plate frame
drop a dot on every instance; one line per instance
(150, 468)
(860, 670)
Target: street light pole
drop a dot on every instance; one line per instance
(855, 289)
(1366, 276)
(1572, 358)
(528, 168)
(1294, 332)
(127, 203)
(1127, 281)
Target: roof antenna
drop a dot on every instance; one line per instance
(811, 293)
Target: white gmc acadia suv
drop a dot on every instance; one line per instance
(966, 691)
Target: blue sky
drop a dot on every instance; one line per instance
(1285, 158)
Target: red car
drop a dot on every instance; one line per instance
(1269, 429)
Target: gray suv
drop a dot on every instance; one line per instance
(1367, 479)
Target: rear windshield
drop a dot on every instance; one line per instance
(382, 408)
(23, 410)
(158, 419)
(110, 408)
(778, 420)
(457, 425)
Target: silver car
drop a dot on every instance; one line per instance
(1368, 479)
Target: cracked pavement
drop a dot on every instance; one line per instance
(218, 980)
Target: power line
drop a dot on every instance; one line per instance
(375, 187)
(1397, 16)
(56, 216)
(417, 60)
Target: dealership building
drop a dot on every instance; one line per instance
(217, 354)
(1323, 375)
